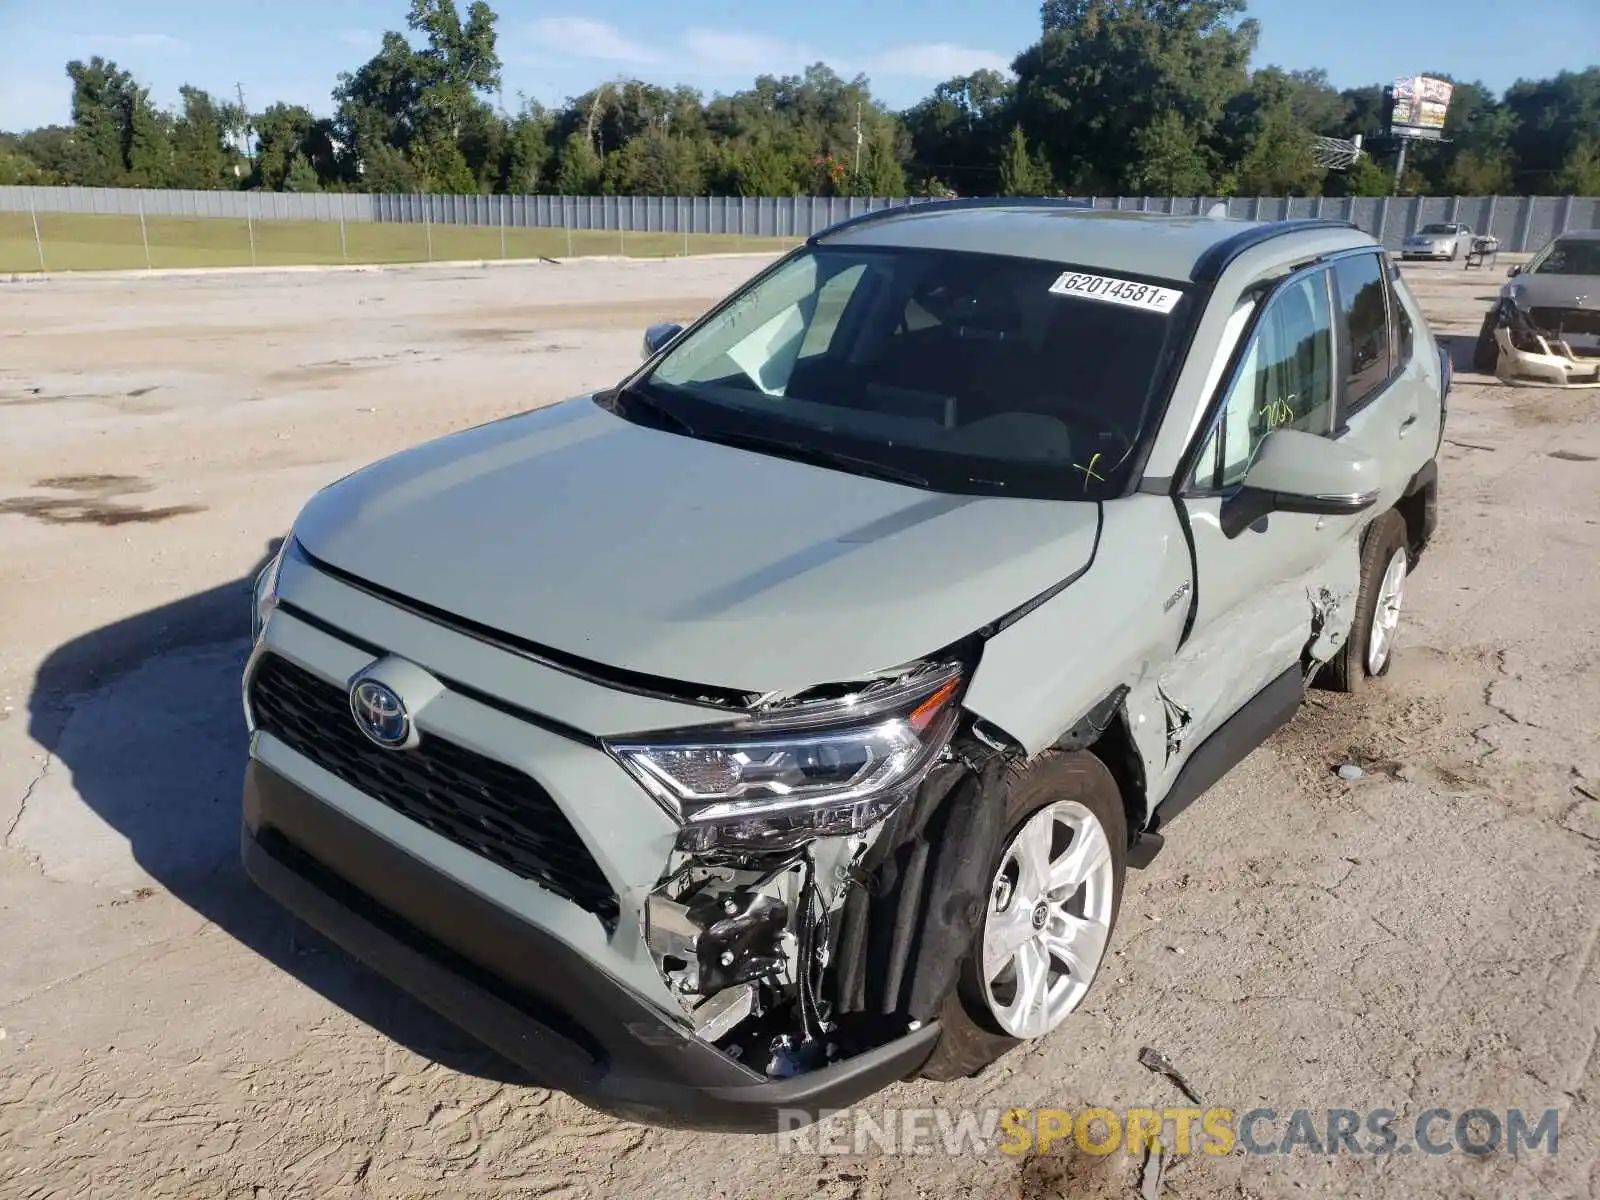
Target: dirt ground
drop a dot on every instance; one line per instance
(1424, 936)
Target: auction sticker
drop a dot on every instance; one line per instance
(1116, 291)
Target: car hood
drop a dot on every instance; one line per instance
(647, 551)
(1556, 291)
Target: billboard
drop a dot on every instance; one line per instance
(1420, 105)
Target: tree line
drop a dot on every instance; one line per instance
(1117, 97)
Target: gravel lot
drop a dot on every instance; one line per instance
(1425, 936)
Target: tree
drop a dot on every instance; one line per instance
(201, 157)
(1552, 119)
(17, 168)
(1105, 71)
(1171, 160)
(1364, 177)
(1580, 174)
(958, 132)
(113, 126)
(286, 136)
(658, 164)
(1131, 96)
(579, 168)
(1022, 172)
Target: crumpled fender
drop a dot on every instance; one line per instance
(1112, 627)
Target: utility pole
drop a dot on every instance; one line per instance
(244, 115)
(858, 139)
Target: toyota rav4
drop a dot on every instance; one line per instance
(781, 721)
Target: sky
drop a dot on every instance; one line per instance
(292, 50)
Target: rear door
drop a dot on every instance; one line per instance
(1386, 406)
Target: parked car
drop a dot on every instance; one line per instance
(781, 721)
(1556, 295)
(1447, 240)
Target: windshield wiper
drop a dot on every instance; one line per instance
(634, 397)
(816, 455)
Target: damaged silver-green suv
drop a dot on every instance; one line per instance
(781, 721)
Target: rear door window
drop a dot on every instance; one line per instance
(1363, 320)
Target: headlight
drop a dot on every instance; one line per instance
(825, 768)
(266, 591)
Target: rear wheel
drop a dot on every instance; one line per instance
(1368, 651)
(1055, 888)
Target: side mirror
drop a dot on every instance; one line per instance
(1514, 272)
(658, 335)
(1301, 472)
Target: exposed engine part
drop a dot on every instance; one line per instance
(709, 933)
(715, 1017)
(794, 962)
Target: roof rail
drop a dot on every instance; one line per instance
(1209, 266)
(965, 202)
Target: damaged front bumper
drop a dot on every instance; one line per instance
(1531, 354)
(518, 989)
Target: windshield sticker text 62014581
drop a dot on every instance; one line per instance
(1116, 291)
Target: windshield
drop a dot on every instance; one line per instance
(959, 372)
(1568, 256)
(1438, 229)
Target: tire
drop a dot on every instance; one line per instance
(971, 1036)
(1486, 351)
(1352, 668)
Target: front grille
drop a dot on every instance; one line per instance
(1566, 320)
(484, 806)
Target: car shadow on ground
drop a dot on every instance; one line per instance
(146, 715)
(1459, 346)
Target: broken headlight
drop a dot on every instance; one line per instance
(823, 768)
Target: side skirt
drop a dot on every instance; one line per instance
(1268, 711)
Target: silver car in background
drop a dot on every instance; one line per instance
(1446, 241)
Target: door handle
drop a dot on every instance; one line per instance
(1405, 426)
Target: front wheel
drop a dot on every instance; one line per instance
(1055, 888)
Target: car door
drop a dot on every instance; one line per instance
(1386, 405)
(1257, 590)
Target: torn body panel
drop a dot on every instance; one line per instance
(1042, 675)
(1333, 606)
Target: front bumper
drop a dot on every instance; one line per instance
(519, 990)
(1435, 253)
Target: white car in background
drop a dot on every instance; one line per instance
(1447, 240)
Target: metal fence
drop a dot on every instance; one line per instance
(1522, 223)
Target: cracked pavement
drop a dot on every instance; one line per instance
(1427, 935)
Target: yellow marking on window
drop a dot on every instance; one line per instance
(1089, 471)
